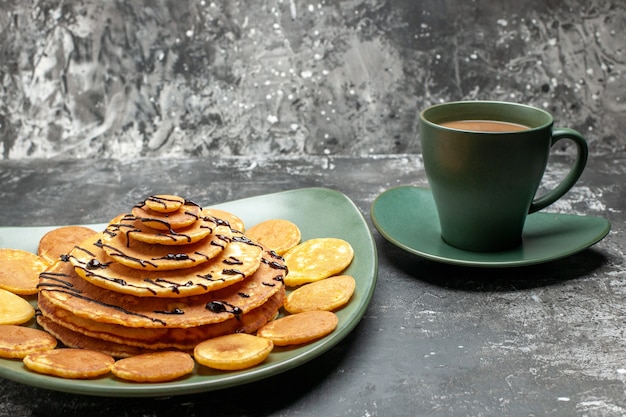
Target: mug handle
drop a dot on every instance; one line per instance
(574, 174)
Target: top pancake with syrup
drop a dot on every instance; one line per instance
(181, 215)
(164, 203)
(167, 220)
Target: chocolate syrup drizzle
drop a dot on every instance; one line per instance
(159, 200)
(176, 257)
(245, 239)
(176, 311)
(231, 260)
(117, 253)
(224, 307)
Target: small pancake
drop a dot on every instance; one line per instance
(164, 203)
(233, 221)
(19, 341)
(240, 259)
(327, 294)
(150, 257)
(233, 352)
(154, 367)
(70, 363)
(317, 259)
(299, 328)
(65, 289)
(14, 309)
(19, 271)
(277, 234)
(61, 241)
(184, 217)
(160, 338)
(138, 231)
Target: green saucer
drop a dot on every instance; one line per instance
(407, 217)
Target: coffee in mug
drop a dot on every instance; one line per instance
(484, 126)
(484, 161)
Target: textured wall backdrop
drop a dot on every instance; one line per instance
(127, 79)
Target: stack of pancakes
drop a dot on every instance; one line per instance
(168, 275)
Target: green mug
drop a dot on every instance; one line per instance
(484, 161)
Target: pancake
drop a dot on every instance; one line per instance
(164, 203)
(329, 294)
(62, 287)
(136, 254)
(74, 339)
(16, 342)
(70, 363)
(200, 229)
(233, 352)
(185, 216)
(240, 259)
(316, 259)
(299, 328)
(154, 367)
(163, 338)
(19, 271)
(14, 309)
(277, 234)
(61, 241)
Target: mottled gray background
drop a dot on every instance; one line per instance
(314, 85)
(128, 79)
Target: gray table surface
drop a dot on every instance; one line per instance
(436, 340)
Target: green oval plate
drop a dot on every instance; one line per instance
(319, 212)
(407, 217)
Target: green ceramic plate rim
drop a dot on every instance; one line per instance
(319, 212)
(599, 228)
